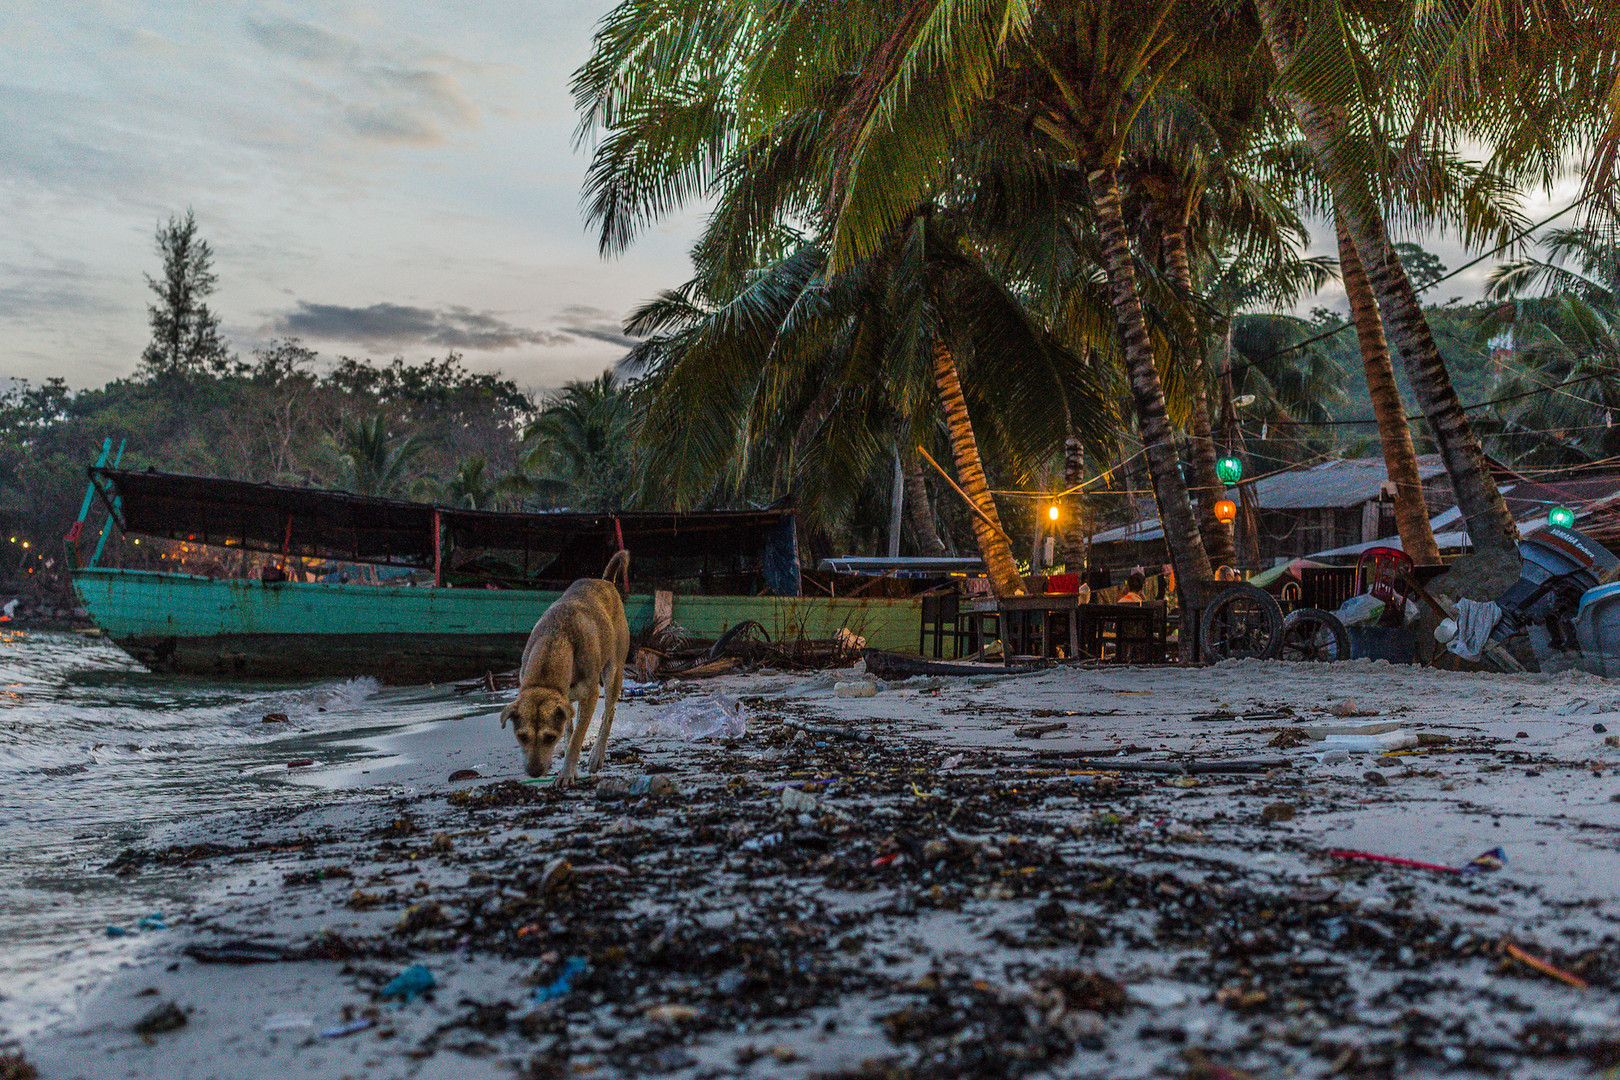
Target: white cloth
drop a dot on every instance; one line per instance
(1475, 621)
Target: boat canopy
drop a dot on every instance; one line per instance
(336, 525)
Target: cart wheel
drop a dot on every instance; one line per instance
(1242, 622)
(1313, 634)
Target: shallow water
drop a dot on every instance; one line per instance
(96, 754)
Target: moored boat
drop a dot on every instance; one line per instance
(472, 583)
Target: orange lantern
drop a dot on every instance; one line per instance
(1225, 511)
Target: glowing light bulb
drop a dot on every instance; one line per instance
(1226, 511)
(1559, 515)
(1052, 512)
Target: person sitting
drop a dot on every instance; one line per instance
(1133, 589)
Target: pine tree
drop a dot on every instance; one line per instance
(185, 333)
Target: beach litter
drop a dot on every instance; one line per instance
(1545, 968)
(349, 1028)
(563, 985)
(165, 1017)
(466, 774)
(153, 921)
(409, 984)
(236, 952)
(288, 1021)
(1494, 859)
(710, 717)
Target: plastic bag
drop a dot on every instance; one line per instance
(1360, 609)
(714, 717)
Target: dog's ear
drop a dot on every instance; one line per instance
(509, 713)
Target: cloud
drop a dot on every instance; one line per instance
(453, 327)
(387, 96)
(594, 323)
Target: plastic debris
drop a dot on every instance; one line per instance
(466, 774)
(714, 716)
(654, 785)
(1494, 859)
(563, 985)
(348, 1029)
(1371, 744)
(288, 1021)
(300, 763)
(410, 983)
(1542, 966)
(153, 921)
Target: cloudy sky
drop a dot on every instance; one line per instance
(377, 179)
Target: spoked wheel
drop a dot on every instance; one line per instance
(1242, 622)
(1312, 634)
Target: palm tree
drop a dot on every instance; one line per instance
(1563, 325)
(372, 462)
(1075, 79)
(581, 446)
(471, 486)
(815, 380)
(1322, 73)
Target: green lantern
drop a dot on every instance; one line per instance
(1561, 515)
(1229, 469)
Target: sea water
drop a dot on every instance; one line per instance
(98, 755)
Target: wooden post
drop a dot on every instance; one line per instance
(438, 554)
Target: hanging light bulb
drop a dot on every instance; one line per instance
(1052, 512)
(1226, 511)
(1229, 469)
(1562, 516)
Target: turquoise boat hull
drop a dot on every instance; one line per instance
(249, 629)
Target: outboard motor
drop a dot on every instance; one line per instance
(1558, 566)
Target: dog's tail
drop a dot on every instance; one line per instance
(618, 569)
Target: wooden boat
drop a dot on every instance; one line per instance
(483, 580)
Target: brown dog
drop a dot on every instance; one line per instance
(579, 645)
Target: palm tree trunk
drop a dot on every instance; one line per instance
(918, 510)
(1216, 534)
(1071, 528)
(993, 546)
(1490, 526)
(1400, 459)
(1176, 515)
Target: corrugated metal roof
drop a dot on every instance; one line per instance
(1346, 482)
(1343, 483)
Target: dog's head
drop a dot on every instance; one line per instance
(540, 719)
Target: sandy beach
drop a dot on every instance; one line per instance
(904, 885)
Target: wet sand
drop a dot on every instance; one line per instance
(902, 886)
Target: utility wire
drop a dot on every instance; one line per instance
(1444, 277)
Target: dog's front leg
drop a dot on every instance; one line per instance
(582, 724)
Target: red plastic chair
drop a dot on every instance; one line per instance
(1382, 573)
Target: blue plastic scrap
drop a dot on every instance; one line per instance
(564, 985)
(153, 921)
(409, 983)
